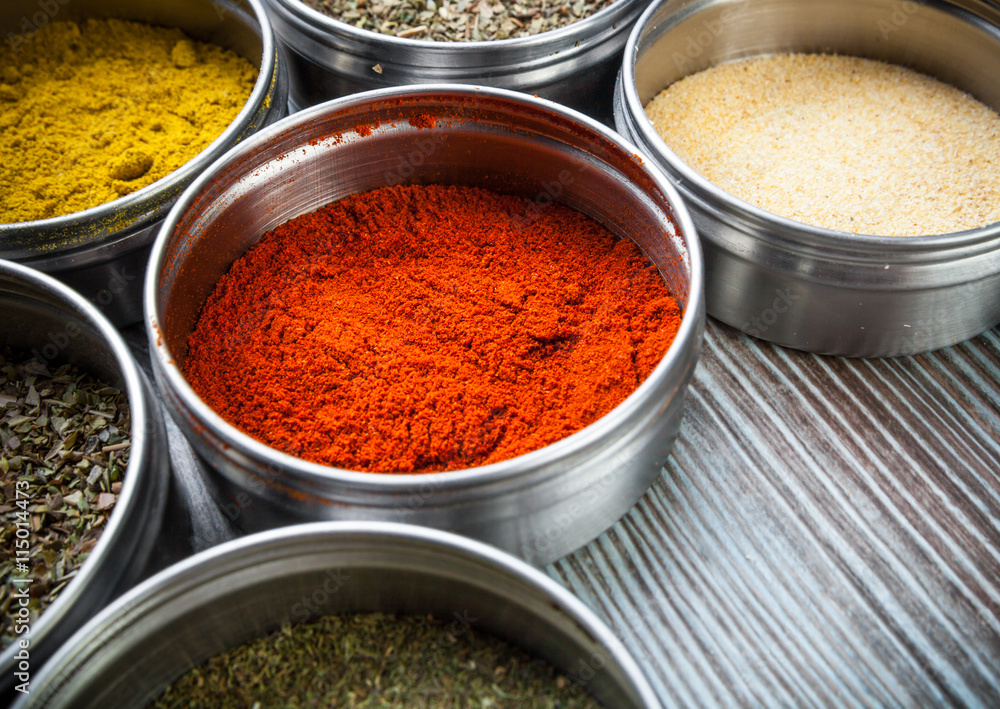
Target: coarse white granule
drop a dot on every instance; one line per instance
(839, 142)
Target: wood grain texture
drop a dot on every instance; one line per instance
(826, 533)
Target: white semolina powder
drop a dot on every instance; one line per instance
(839, 142)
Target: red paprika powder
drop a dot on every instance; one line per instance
(428, 328)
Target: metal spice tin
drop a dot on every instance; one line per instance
(539, 506)
(815, 289)
(102, 252)
(575, 65)
(44, 316)
(226, 596)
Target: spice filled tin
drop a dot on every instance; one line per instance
(812, 288)
(228, 595)
(44, 318)
(575, 64)
(102, 250)
(539, 505)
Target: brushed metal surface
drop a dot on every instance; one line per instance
(102, 251)
(224, 597)
(575, 65)
(816, 289)
(45, 316)
(538, 506)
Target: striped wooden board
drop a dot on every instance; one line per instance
(826, 533)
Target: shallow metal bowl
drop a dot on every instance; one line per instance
(43, 316)
(102, 251)
(226, 596)
(575, 65)
(540, 505)
(805, 287)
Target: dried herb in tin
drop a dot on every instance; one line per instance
(64, 445)
(375, 660)
(458, 20)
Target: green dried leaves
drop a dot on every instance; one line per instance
(64, 445)
(375, 660)
(457, 20)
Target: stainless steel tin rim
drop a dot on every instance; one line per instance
(107, 227)
(793, 234)
(192, 580)
(819, 290)
(143, 488)
(477, 52)
(574, 64)
(508, 471)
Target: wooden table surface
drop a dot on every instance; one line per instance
(826, 533)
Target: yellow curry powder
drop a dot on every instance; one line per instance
(93, 111)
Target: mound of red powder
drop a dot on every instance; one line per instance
(428, 328)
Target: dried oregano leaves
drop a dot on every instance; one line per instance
(376, 660)
(64, 446)
(458, 20)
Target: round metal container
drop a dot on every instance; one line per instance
(43, 316)
(540, 505)
(228, 595)
(574, 65)
(805, 287)
(103, 251)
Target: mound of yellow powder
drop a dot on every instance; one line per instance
(94, 111)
